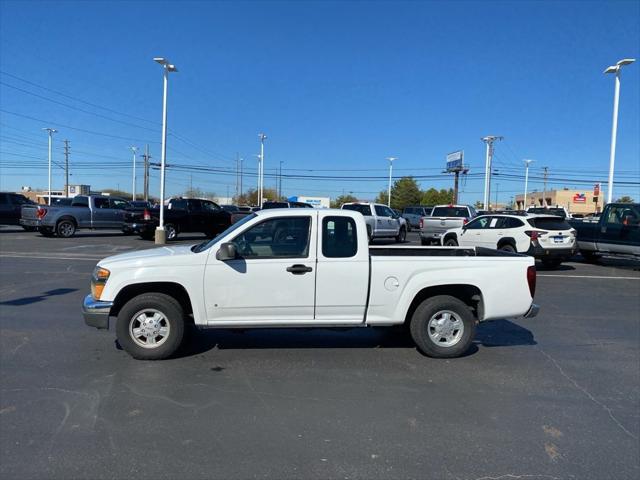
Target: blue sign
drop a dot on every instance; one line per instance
(455, 161)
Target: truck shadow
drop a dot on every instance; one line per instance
(498, 333)
(38, 298)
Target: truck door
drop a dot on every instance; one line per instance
(272, 281)
(118, 207)
(384, 226)
(101, 214)
(620, 230)
(342, 276)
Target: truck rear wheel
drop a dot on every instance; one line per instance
(443, 327)
(150, 326)
(402, 235)
(450, 242)
(66, 228)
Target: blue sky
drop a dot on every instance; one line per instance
(336, 86)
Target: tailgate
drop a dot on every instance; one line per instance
(441, 224)
(29, 212)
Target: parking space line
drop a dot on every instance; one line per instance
(590, 276)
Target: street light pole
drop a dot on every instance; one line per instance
(391, 159)
(526, 181)
(167, 67)
(614, 129)
(133, 190)
(262, 138)
(51, 132)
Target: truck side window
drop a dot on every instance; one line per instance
(80, 201)
(101, 202)
(380, 211)
(284, 237)
(339, 239)
(118, 204)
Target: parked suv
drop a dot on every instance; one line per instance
(545, 237)
(413, 214)
(382, 222)
(10, 205)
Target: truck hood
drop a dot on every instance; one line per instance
(178, 255)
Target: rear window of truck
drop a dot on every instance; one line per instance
(363, 209)
(450, 212)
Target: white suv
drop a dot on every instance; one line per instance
(545, 237)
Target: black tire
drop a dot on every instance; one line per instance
(429, 309)
(551, 262)
(46, 231)
(402, 235)
(507, 247)
(173, 316)
(171, 232)
(29, 229)
(66, 228)
(424, 241)
(451, 242)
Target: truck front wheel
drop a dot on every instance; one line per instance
(443, 327)
(150, 326)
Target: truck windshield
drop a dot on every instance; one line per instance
(204, 245)
(461, 212)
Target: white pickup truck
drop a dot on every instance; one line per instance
(306, 268)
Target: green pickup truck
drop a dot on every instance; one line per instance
(617, 231)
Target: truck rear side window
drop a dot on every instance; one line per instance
(80, 201)
(339, 239)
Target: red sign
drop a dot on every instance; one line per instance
(596, 190)
(579, 198)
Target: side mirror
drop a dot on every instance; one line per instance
(226, 252)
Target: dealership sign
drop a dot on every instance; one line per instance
(580, 198)
(455, 161)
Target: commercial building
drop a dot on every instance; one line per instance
(575, 201)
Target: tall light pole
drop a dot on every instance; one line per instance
(391, 159)
(262, 138)
(614, 129)
(280, 181)
(51, 132)
(526, 181)
(133, 189)
(167, 67)
(489, 139)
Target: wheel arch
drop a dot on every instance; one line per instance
(508, 241)
(67, 217)
(172, 289)
(469, 294)
(450, 235)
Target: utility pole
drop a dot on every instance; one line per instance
(237, 176)
(146, 157)
(489, 139)
(241, 160)
(526, 181)
(497, 188)
(66, 168)
(133, 188)
(544, 190)
(456, 176)
(51, 131)
(280, 181)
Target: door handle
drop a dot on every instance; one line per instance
(299, 269)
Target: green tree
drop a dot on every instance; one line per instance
(437, 197)
(625, 199)
(405, 191)
(339, 200)
(382, 197)
(250, 197)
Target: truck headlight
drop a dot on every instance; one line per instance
(98, 280)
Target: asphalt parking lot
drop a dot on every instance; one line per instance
(553, 397)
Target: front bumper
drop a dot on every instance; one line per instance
(96, 312)
(533, 311)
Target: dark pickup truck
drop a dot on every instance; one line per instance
(181, 215)
(617, 232)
